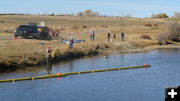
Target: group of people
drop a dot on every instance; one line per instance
(121, 35)
(50, 52)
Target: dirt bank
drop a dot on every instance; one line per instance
(79, 50)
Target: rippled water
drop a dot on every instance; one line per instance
(125, 85)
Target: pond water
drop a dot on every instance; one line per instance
(144, 84)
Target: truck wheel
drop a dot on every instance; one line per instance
(37, 36)
(25, 36)
(15, 36)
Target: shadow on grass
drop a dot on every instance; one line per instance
(40, 38)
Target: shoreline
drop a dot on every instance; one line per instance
(74, 53)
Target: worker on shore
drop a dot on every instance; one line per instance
(114, 35)
(109, 36)
(71, 42)
(122, 36)
(48, 55)
(92, 35)
(48, 51)
(49, 58)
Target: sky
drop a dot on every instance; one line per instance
(135, 8)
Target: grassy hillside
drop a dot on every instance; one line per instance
(32, 52)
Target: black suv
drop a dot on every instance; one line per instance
(27, 30)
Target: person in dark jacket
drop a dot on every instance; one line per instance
(122, 36)
(114, 35)
(109, 36)
(71, 42)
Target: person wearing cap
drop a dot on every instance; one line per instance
(48, 51)
(71, 42)
(48, 54)
(49, 58)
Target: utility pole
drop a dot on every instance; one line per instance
(122, 20)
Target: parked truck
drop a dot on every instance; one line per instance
(32, 30)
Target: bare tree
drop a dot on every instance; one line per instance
(177, 14)
(88, 13)
(172, 32)
(160, 15)
(80, 14)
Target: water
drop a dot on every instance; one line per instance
(125, 85)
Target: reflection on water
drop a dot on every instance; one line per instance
(126, 85)
(70, 66)
(49, 68)
(170, 51)
(122, 59)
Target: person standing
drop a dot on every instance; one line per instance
(48, 54)
(122, 36)
(92, 35)
(109, 36)
(114, 35)
(49, 58)
(71, 42)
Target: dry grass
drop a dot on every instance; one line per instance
(172, 32)
(31, 51)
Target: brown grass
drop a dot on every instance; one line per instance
(32, 52)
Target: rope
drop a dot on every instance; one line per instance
(29, 68)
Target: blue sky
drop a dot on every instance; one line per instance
(136, 8)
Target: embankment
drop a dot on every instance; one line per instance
(81, 49)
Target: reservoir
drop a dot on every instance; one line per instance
(144, 84)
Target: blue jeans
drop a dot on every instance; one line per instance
(70, 45)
